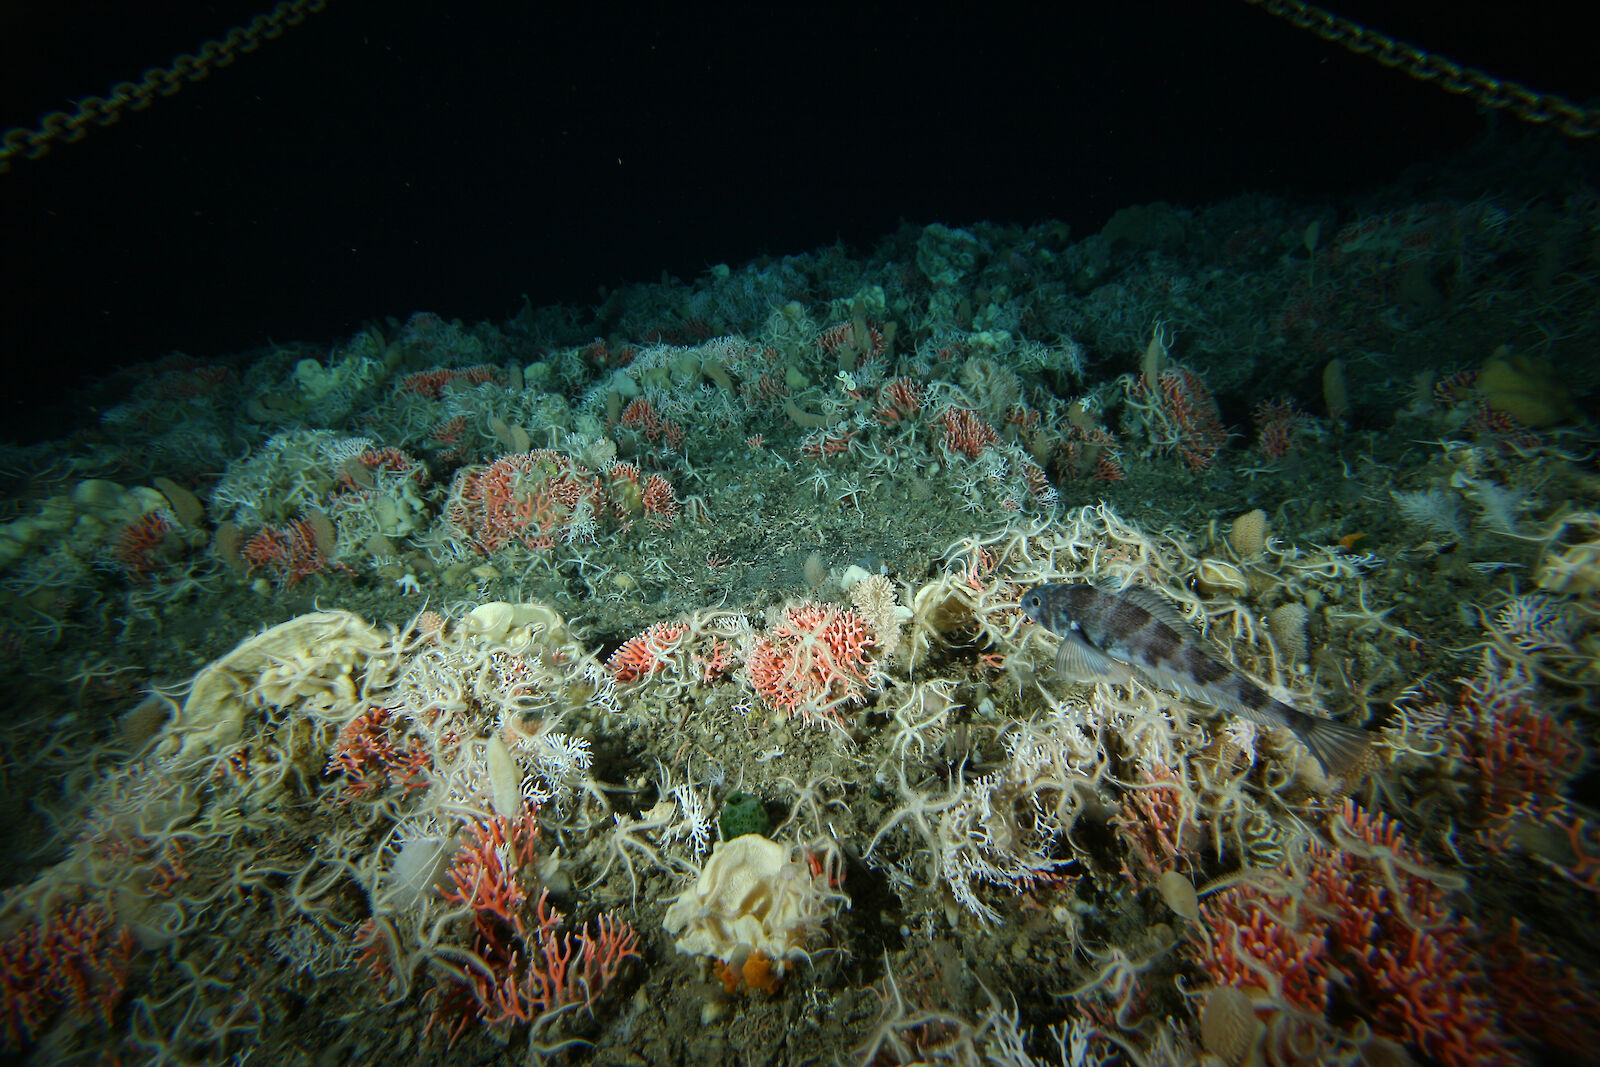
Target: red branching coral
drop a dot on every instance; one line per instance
(813, 660)
(1581, 866)
(646, 653)
(1270, 950)
(845, 336)
(1542, 998)
(431, 383)
(1193, 415)
(526, 965)
(528, 497)
(966, 433)
(140, 545)
(75, 957)
(368, 755)
(489, 871)
(1520, 756)
(1158, 820)
(291, 552)
(553, 969)
(660, 501)
(899, 399)
(1370, 918)
(1278, 427)
(641, 415)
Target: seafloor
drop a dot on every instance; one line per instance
(403, 699)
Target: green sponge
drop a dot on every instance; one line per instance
(743, 813)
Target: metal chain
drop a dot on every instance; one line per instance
(1499, 93)
(1502, 94)
(64, 126)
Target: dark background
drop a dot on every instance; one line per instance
(389, 157)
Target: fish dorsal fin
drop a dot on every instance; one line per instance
(1082, 662)
(1158, 605)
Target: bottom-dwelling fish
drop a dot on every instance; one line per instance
(1107, 636)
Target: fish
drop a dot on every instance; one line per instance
(1114, 636)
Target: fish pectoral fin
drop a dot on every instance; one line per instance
(1173, 682)
(1082, 662)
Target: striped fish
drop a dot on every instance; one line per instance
(1108, 636)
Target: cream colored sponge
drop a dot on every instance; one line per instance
(751, 896)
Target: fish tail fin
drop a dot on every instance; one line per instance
(1339, 747)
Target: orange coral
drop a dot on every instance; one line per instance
(759, 971)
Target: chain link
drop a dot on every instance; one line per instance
(1498, 93)
(1527, 104)
(64, 126)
